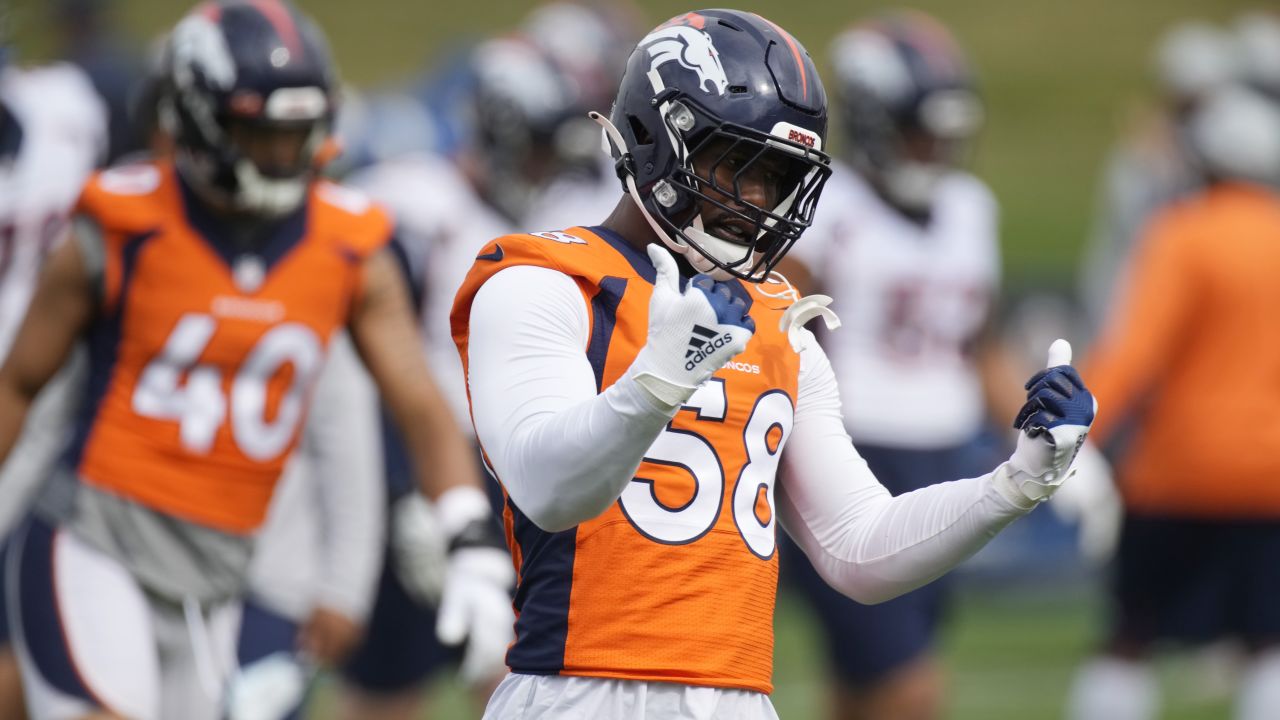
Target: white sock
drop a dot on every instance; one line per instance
(1107, 688)
(1259, 696)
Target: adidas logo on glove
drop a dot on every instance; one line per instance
(702, 343)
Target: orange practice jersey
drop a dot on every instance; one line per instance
(202, 359)
(1192, 359)
(632, 594)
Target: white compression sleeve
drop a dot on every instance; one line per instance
(563, 452)
(864, 542)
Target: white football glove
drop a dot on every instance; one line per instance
(692, 333)
(1053, 425)
(419, 548)
(269, 688)
(475, 603)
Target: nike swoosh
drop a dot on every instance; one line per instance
(495, 256)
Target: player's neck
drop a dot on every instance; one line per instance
(627, 221)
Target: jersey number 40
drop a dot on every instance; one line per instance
(200, 406)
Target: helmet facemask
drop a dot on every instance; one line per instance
(237, 161)
(247, 100)
(705, 204)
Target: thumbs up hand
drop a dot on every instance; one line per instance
(1053, 424)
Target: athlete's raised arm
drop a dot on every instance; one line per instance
(60, 310)
(565, 453)
(872, 546)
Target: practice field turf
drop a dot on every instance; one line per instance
(1010, 654)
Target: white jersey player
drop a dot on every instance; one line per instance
(52, 133)
(446, 209)
(441, 224)
(912, 298)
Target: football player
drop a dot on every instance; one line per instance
(906, 242)
(583, 185)
(1152, 165)
(1191, 351)
(207, 288)
(52, 133)
(633, 385)
(525, 135)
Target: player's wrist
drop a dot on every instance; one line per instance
(459, 510)
(1013, 486)
(662, 395)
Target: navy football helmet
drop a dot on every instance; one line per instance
(524, 110)
(909, 104)
(239, 67)
(708, 100)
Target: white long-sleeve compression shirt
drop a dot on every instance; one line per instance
(565, 452)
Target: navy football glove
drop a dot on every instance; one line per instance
(1053, 425)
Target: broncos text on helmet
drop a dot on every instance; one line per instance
(909, 104)
(730, 93)
(246, 72)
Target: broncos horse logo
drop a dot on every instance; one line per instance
(690, 47)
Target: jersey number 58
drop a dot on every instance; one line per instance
(763, 437)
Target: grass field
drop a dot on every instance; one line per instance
(1011, 654)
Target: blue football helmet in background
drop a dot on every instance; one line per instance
(264, 66)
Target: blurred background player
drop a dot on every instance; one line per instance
(1186, 372)
(1152, 165)
(315, 560)
(636, 421)
(195, 281)
(906, 241)
(584, 183)
(531, 156)
(52, 134)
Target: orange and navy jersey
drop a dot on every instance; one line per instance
(203, 352)
(1190, 362)
(676, 581)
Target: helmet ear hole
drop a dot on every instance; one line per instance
(640, 132)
